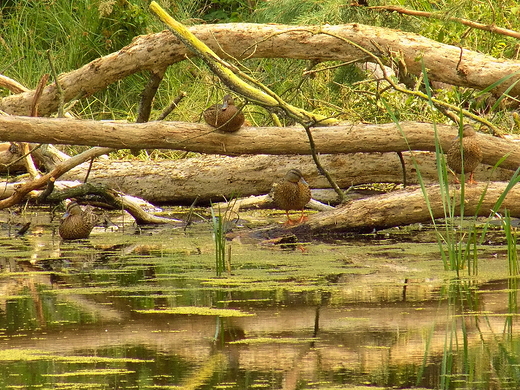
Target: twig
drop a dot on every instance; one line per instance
(59, 90)
(147, 96)
(29, 163)
(38, 93)
(419, 94)
(466, 22)
(12, 85)
(58, 170)
(167, 111)
(89, 169)
(321, 169)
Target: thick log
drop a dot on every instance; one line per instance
(445, 63)
(217, 178)
(409, 206)
(249, 140)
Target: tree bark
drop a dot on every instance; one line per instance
(409, 206)
(217, 178)
(201, 138)
(445, 63)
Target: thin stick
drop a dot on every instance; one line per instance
(59, 90)
(321, 168)
(466, 22)
(167, 111)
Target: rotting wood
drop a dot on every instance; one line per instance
(196, 137)
(445, 63)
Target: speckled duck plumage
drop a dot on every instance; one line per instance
(471, 151)
(225, 117)
(77, 223)
(292, 193)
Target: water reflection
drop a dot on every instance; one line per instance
(95, 314)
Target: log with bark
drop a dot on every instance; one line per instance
(409, 206)
(445, 63)
(195, 137)
(217, 178)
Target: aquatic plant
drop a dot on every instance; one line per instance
(221, 223)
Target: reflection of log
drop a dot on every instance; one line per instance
(449, 64)
(409, 206)
(272, 140)
(346, 333)
(216, 177)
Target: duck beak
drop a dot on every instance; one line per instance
(224, 105)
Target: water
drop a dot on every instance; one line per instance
(146, 311)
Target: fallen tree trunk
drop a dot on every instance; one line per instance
(409, 206)
(249, 140)
(445, 63)
(217, 178)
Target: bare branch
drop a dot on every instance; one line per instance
(466, 22)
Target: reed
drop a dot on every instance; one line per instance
(219, 238)
(221, 223)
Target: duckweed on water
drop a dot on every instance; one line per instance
(274, 340)
(200, 311)
(364, 303)
(91, 372)
(34, 354)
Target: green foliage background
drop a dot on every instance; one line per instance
(77, 32)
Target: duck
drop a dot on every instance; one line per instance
(77, 223)
(292, 193)
(471, 154)
(225, 117)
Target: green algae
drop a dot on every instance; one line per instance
(200, 311)
(136, 275)
(34, 354)
(275, 340)
(100, 372)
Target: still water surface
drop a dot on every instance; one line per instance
(145, 311)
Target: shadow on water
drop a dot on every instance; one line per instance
(146, 311)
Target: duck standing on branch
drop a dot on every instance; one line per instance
(77, 223)
(292, 193)
(471, 153)
(225, 117)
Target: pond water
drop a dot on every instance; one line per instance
(143, 309)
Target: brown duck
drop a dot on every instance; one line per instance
(471, 153)
(225, 117)
(77, 223)
(292, 193)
